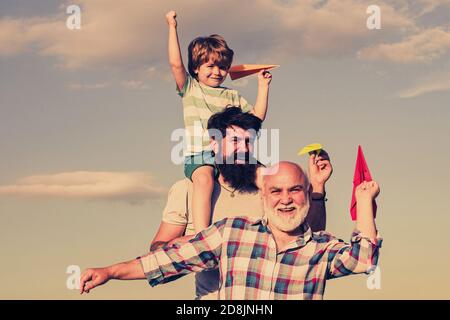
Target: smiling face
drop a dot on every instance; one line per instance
(285, 197)
(236, 147)
(234, 158)
(211, 73)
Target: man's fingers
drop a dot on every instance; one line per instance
(96, 281)
(90, 285)
(85, 277)
(324, 155)
(312, 160)
(363, 185)
(323, 163)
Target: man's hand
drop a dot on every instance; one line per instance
(320, 170)
(92, 278)
(264, 78)
(367, 191)
(171, 18)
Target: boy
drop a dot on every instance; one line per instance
(209, 61)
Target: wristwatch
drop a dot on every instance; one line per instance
(318, 196)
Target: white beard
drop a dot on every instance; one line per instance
(286, 223)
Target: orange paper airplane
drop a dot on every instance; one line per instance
(243, 70)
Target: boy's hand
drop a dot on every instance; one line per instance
(264, 78)
(367, 191)
(171, 18)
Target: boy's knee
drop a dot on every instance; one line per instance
(203, 176)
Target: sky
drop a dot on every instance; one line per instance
(86, 118)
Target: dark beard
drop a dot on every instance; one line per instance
(241, 177)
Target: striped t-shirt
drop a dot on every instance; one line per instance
(200, 102)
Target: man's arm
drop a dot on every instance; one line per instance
(262, 99)
(166, 233)
(163, 265)
(362, 254)
(94, 277)
(175, 59)
(365, 193)
(175, 219)
(320, 170)
(200, 253)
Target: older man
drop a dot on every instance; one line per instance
(274, 257)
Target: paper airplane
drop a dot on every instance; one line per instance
(362, 174)
(311, 148)
(243, 70)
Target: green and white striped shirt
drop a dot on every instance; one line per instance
(200, 102)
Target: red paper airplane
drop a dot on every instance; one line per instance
(243, 70)
(362, 173)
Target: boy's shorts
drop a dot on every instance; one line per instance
(204, 158)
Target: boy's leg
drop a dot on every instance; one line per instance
(203, 181)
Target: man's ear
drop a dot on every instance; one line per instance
(261, 194)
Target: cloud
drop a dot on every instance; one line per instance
(131, 187)
(428, 6)
(335, 26)
(80, 86)
(134, 84)
(435, 83)
(423, 47)
(109, 34)
(130, 34)
(13, 38)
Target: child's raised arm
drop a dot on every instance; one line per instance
(175, 60)
(262, 100)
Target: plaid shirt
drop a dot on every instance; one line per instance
(250, 266)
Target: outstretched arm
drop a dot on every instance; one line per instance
(163, 265)
(94, 277)
(175, 59)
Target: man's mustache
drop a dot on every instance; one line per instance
(245, 157)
